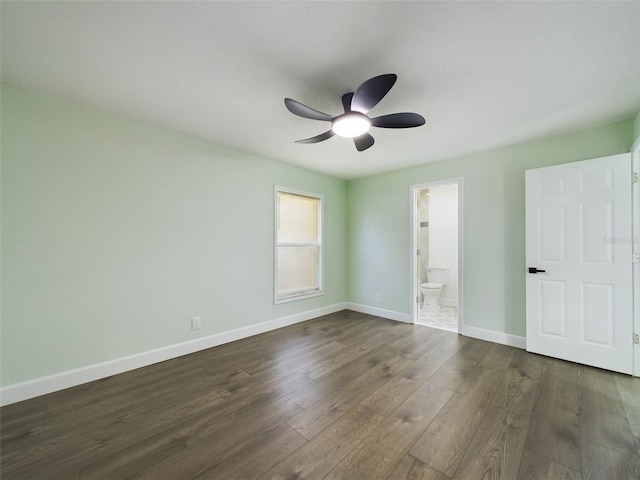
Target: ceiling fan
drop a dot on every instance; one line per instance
(354, 122)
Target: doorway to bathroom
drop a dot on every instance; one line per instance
(436, 275)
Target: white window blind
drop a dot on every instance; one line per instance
(298, 245)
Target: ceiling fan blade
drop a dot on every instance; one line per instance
(371, 91)
(363, 142)
(398, 120)
(346, 101)
(318, 138)
(301, 110)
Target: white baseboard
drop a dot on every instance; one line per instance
(468, 331)
(380, 312)
(52, 383)
(494, 336)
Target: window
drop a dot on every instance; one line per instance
(298, 245)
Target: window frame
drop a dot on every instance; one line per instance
(302, 293)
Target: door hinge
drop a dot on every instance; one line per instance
(636, 339)
(634, 177)
(635, 258)
(418, 252)
(418, 299)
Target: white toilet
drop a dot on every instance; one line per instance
(437, 277)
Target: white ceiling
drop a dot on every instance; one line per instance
(483, 74)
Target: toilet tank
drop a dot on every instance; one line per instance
(438, 275)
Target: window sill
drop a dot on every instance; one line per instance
(299, 296)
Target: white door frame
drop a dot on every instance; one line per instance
(635, 232)
(414, 191)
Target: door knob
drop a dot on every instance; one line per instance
(535, 270)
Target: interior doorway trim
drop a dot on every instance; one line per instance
(415, 291)
(635, 195)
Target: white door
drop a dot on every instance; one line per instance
(579, 262)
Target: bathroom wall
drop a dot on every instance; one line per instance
(443, 237)
(423, 234)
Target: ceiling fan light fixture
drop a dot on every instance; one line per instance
(352, 124)
(355, 123)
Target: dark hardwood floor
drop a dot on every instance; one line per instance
(345, 396)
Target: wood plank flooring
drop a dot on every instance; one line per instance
(344, 396)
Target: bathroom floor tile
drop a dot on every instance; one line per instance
(446, 318)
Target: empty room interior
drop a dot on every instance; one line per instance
(320, 240)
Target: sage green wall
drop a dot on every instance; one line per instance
(636, 126)
(115, 233)
(494, 242)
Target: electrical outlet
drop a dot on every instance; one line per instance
(196, 323)
(378, 297)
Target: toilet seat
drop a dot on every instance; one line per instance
(431, 285)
